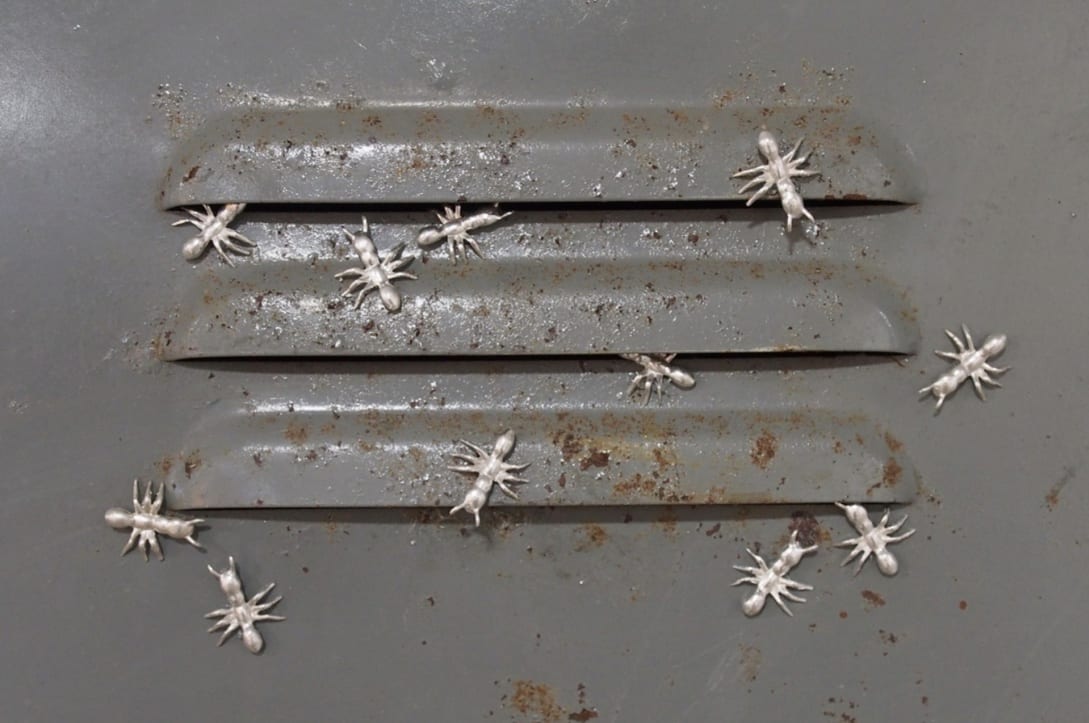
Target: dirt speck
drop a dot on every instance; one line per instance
(842, 614)
(712, 531)
(1052, 496)
(751, 658)
(166, 464)
(562, 481)
(764, 449)
(596, 458)
(873, 599)
(592, 535)
(963, 604)
(193, 462)
(258, 459)
(537, 700)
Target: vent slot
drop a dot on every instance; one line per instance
(579, 282)
(380, 434)
(381, 154)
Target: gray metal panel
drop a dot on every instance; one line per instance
(404, 615)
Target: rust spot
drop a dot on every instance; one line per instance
(571, 447)
(751, 657)
(763, 449)
(664, 458)
(712, 531)
(1052, 496)
(192, 462)
(593, 536)
(722, 100)
(536, 699)
(562, 481)
(583, 715)
(296, 433)
(809, 530)
(891, 476)
(854, 140)
(667, 522)
(894, 444)
(166, 464)
(679, 116)
(190, 173)
(887, 637)
(963, 605)
(855, 197)
(873, 599)
(837, 447)
(312, 456)
(842, 614)
(634, 487)
(596, 458)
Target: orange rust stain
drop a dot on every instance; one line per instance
(596, 458)
(166, 464)
(873, 599)
(537, 700)
(837, 447)
(808, 528)
(665, 458)
(854, 140)
(667, 523)
(634, 487)
(894, 444)
(764, 449)
(296, 433)
(891, 476)
(963, 605)
(570, 447)
(592, 536)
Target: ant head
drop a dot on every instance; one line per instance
(767, 144)
(390, 297)
(681, 378)
(505, 443)
(994, 344)
(193, 248)
(118, 518)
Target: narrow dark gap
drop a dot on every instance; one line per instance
(552, 206)
(534, 364)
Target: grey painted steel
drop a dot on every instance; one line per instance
(576, 283)
(438, 152)
(403, 615)
(341, 436)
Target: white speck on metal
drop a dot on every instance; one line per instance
(656, 369)
(241, 615)
(777, 174)
(971, 363)
(490, 469)
(455, 228)
(773, 580)
(147, 523)
(872, 540)
(377, 272)
(214, 229)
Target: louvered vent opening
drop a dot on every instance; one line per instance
(626, 237)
